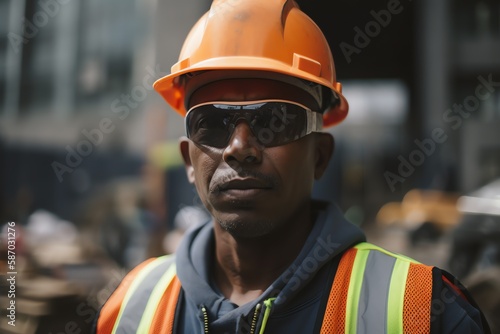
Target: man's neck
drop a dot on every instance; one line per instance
(245, 268)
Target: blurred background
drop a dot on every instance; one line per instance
(91, 175)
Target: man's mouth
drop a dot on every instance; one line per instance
(244, 184)
(244, 187)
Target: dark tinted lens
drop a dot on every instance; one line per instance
(279, 123)
(209, 126)
(273, 123)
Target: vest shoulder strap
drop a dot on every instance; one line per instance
(394, 296)
(145, 300)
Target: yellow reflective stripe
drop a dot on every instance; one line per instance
(369, 246)
(396, 296)
(365, 246)
(354, 291)
(268, 303)
(135, 284)
(154, 299)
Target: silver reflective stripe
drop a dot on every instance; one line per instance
(134, 308)
(374, 294)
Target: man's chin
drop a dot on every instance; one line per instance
(243, 227)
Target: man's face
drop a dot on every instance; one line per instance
(251, 190)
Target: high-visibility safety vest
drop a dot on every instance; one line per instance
(394, 296)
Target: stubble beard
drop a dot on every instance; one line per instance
(244, 229)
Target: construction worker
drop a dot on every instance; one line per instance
(256, 85)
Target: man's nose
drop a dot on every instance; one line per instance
(243, 146)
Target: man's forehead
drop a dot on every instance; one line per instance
(250, 89)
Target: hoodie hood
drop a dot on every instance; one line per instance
(329, 237)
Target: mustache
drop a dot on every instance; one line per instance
(224, 177)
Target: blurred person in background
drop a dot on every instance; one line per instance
(187, 217)
(256, 84)
(118, 217)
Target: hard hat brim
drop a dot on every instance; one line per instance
(173, 91)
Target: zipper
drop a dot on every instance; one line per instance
(205, 319)
(268, 304)
(254, 318)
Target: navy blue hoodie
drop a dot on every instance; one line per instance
(295, 302)
(290, 305)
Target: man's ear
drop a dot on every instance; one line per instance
(184, 143)
(324, 151)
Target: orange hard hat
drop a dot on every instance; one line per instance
(270, 39)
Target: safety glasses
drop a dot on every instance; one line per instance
(273, 122)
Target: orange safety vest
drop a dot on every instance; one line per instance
(394, 296)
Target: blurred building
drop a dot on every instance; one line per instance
(77, 106)
(422, 79)
(66, 67)
(477, 46)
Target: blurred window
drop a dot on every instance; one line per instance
(71, 57)
(376, 101)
